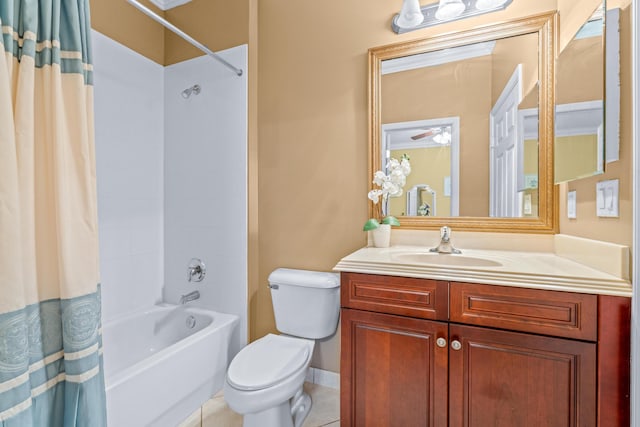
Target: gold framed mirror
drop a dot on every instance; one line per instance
(423, 92)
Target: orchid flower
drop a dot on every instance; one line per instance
(390, 186)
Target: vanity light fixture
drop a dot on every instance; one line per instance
(441, 12)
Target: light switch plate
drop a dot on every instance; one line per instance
(571, 205)
(607, 200)
(527, 204)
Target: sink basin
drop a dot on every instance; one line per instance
(445, 259)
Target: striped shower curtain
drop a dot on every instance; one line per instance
(50, 336)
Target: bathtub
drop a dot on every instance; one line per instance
(162, 364)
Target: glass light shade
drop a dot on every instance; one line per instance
(449, 9)
(410, 14)
(489, 4)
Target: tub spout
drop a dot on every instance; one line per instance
(189, 297)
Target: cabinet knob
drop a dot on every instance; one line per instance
(456, 345)
(441, 342)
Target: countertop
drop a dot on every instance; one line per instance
(537, 270)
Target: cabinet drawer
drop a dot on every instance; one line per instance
(562, 314)
(422, 298)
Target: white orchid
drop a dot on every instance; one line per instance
(379, 178)
(405, 166)
(390, 186)
(374, 195)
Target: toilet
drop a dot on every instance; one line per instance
(264, 381)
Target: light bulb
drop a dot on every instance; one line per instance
(449, 9)
(410, 15)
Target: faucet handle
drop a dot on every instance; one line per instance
(196, 270)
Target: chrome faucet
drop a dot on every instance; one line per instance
(445, 246)
(191, 296)
(196, 270)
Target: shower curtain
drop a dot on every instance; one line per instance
(50, 336)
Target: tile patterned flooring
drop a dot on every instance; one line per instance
(325, 411)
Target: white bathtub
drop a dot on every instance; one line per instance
(159, 368)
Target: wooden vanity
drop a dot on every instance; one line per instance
(423, 352)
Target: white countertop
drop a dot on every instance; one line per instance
(538, 270)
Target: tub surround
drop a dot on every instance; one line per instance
(561, 263)
(128, 105)
(205, 139)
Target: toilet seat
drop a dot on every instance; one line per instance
(267, 361)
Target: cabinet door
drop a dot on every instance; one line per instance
(393, 373)
(500, 378)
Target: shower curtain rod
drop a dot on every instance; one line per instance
(185, 36)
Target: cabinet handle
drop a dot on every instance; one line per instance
(441, 342)
(456, 345)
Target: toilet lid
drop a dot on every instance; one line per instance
(266, 362)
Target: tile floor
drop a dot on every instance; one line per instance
(325, 411)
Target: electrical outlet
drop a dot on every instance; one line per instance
(607, 201)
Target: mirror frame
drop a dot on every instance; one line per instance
(545, 25)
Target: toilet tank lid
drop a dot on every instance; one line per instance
(307, 278)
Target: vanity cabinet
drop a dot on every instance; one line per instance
(420, 352)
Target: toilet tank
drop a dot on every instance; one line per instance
(305, 303)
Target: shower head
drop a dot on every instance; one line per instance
(193, 90)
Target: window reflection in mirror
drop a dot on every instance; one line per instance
(579, 121)
(468, 119)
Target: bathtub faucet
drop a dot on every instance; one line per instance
(191, 296)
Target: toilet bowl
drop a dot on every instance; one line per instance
(264, 381)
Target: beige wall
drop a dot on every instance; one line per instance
(218, 24)
(121, 22)
(313, 132)
(311, 124)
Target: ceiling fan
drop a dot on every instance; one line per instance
(427, 133)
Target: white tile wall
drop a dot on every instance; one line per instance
(172, 178)
(205, 183)
(128, 102)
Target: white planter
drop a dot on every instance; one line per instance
(381, 236)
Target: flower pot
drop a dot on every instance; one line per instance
(381, 236)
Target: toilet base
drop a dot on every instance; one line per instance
(290, 413)
(300, 407)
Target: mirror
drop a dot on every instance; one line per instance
(579, 120)
(580, 131)
(472, 112)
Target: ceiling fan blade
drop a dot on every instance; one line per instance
(422, 135)
(429, 132)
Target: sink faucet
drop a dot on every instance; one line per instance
(189, 297)
(445, 246)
